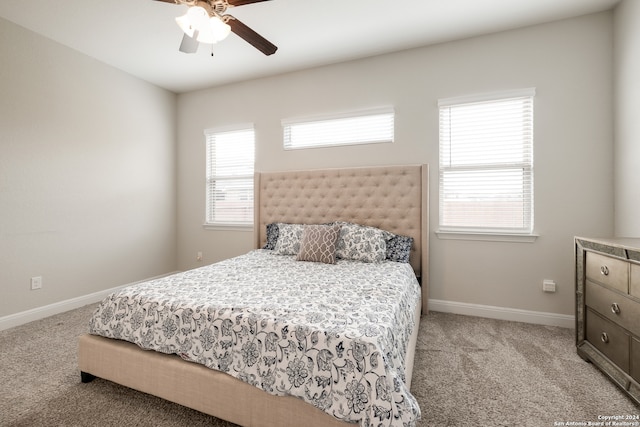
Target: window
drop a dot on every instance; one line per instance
(230, 161)
(486, 164)
(364, 127)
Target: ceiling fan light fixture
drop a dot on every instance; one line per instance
(219, 28)
(196, 18)
(185, 25)
(208, 29)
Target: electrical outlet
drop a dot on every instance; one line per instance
(36, 283)
(199, 256)
(548, 285)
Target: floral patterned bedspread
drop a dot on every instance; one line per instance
(333, 335)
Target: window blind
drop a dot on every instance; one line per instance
(230, 166)
(486, 165)
(365, 127)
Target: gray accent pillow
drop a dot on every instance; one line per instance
(289, 237)
(319, 243)
(272, 236)
(399, 248)
(362, 243)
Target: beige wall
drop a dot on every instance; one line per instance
(627, 113)
(570, 63)
(88, 164)
(87, 174)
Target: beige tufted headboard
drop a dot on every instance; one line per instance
(393, 198)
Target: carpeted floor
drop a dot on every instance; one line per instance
(468, 372)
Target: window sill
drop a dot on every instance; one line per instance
(228, 227)
(487, 237)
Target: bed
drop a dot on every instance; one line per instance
(390, 198)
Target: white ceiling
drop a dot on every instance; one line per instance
(142, 38)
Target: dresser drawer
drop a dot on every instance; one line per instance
(618, 308)
(610, 339)
(635, 359)
(608, 271)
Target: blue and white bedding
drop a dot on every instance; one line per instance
(332, 334)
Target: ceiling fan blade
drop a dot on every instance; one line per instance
(251, 37)
(189, 44)
(239, 2)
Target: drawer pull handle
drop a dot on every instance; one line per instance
(615, 308)
(604, 337)
(604, 270)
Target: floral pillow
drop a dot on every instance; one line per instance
(319, 243)
(289, 238)
(399, 248)
(362, 243)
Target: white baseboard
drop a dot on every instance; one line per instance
(503, 313)
(21, 318)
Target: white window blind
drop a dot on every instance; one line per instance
(365, 127)
(230, 166)
(486, 164)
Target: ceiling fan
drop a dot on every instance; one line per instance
(206, 22)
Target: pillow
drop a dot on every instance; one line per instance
(289, 237)
(399, 248)
(362, 243)
(319, 243)
(272, 236)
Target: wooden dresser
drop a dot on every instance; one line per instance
(608, 308)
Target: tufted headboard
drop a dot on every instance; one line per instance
(393, 198)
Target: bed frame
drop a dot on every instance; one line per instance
(394, 198)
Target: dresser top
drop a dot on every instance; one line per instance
(621, 242)
(623, 247)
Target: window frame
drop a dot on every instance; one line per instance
(331, 119)
(508, 234)
(210, 179)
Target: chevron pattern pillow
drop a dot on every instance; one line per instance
(319, 243)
